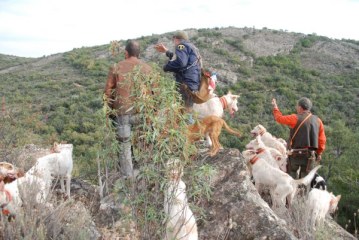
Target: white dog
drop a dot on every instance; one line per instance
(320, 203)
(22, 189)
(181, 223)
(268, 139)
(271, 155)
(216, 106)
(283, 185)
(58, 164)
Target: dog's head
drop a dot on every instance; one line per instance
(333, 205)
(318, 182)
(232, 101)
(249, 154)
(58, 147)
(255, 144)
(9, 172)
(174, 169)
(258, 130)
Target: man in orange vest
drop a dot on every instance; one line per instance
(118, 96)
(307, 137)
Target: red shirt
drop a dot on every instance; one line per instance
(291, 121)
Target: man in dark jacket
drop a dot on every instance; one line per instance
(185, 63)
(306, 139)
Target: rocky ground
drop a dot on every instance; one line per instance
(234, 211)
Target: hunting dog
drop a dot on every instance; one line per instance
(318, 182)
(210, 126)
(283, 185)
(320, 203)
(216, 106)
(37, 180)
(271, 155)
(28, 187)
(58, 164)
(180, 221)
(268, 139)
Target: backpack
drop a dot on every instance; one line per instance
(203, 94)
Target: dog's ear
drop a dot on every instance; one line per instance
(20, 173)
(235, 96)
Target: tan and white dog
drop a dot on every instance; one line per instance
(283, 186)
(320, 203)
(37, 180)
(216, 106)
(58, 164)
(268, 139)
(29, 187)
(271, 155)
(180, 221)
(210, 127)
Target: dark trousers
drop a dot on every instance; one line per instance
(300, 160)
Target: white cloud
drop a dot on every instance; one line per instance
(42, 27)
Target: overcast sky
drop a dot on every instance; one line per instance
(34, 28)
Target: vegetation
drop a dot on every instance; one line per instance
(62, 101)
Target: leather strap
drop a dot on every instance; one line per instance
(295, 133)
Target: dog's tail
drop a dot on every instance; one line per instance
(230, 130)
(308, 179)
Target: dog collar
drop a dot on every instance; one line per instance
(254, 160)
(223, 102)
(260, 150)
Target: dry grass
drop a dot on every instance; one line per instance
(55, 219)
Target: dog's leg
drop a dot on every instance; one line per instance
(68, 185)
(215, 148)
(209, 142)
(62, 183)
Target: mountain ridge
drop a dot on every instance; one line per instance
(59, 97)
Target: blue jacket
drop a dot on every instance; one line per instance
(186, 65)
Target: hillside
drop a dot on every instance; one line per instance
(59, 97)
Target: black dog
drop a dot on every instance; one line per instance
(318, 182)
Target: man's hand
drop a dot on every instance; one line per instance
(319, 157)
(161, 48)
(274, 103)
